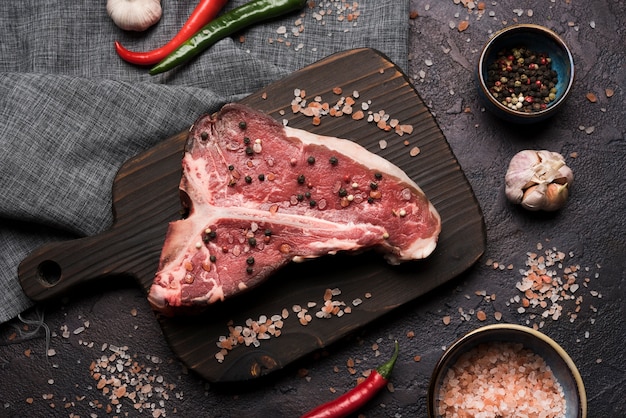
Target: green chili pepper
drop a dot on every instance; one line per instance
(253, 12)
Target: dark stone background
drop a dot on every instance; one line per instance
(590, 229)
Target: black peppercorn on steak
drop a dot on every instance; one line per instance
(259, 194)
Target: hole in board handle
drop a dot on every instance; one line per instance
(49, 272)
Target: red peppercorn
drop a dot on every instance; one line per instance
(528, 99)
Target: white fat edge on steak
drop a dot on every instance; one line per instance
(189, 231)
(419, 249)
(354, 151)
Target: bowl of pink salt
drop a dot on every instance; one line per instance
(506, 370)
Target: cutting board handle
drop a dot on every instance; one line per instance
(145, 200)
(55, 268)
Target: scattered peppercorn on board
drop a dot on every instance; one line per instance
(304, 306)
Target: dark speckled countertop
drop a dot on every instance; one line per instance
(116, 327)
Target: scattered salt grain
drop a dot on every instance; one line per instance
(267, 327)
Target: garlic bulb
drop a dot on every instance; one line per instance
(538, 180)
(137, 15)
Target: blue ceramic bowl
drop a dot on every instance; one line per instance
(556, 358)
(535, 38)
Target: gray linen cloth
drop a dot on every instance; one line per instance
(71, 111)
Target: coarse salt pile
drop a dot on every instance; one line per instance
(548, 283)
(125, 380)
(500, 380)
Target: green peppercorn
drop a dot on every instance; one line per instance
(243, 125)
(250, 260)
(268, 232)
(307, 195)
(343, 192)
(249, 270)
(262, 177)
(231, 167)
(333, 160)
(312, 203)
(249, 151)
(300, 197)
(248, 179)
(246, 140)
(378, 176)
(252, 241)
(212, 258)
(204, 136)
(301, 179)
(373, 186)
(311, 160)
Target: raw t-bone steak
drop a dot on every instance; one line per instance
(259, 195)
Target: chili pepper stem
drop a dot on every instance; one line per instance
(354, 399)
(385, 369)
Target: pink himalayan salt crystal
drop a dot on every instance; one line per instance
(500, 379)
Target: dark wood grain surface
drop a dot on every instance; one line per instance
(146, 199)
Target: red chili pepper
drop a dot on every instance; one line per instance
(353, 400)
(204, 12)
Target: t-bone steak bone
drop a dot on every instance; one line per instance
(259, 194)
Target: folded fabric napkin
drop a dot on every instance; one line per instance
(72, 112)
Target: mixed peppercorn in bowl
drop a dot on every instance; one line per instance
(525, 73)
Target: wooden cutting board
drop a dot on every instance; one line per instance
(146, 199)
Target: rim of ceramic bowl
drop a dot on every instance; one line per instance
(516, 28)
(456, 345)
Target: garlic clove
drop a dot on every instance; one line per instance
(534, 197)
(555, 196)
(135, 15)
